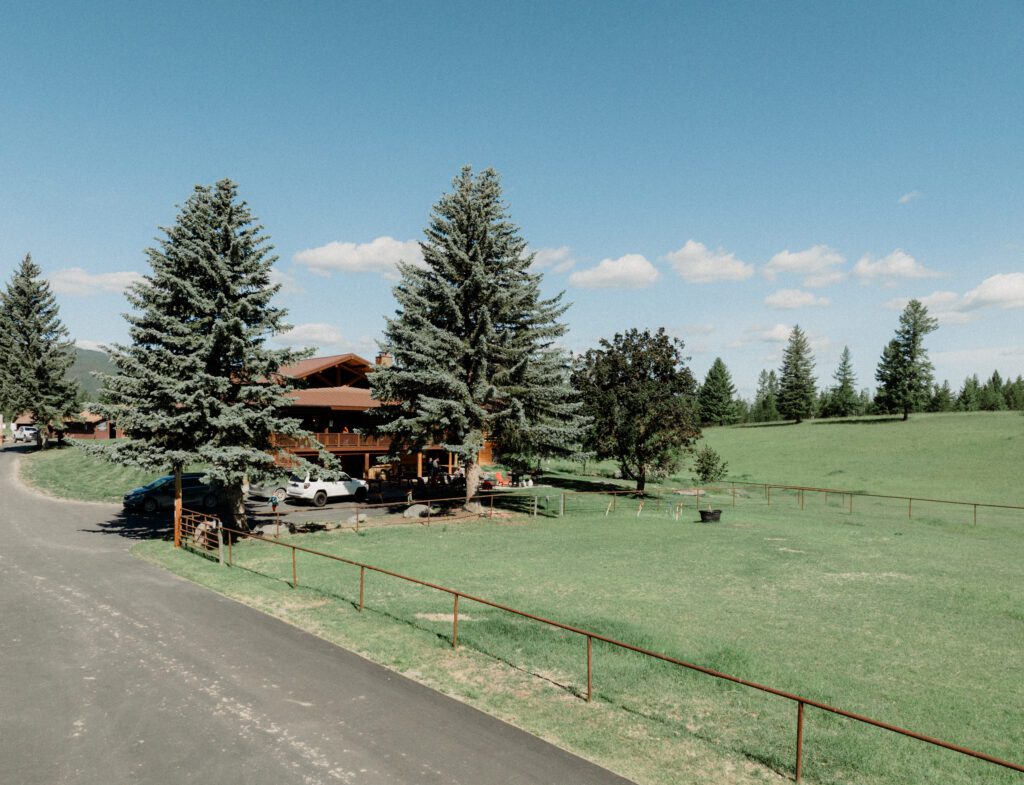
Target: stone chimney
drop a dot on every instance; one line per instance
(384, 359)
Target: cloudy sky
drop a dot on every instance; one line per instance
(721, 170)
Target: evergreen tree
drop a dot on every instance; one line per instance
(197, 383)
(716, 396)
(796, 379)
(642, 401)
(36, 352)
(766, 400)
(1014, 394)
(941, 399)
(473, 341)
(904, 372)
(969, 397)
(991, 397)
(843, 399)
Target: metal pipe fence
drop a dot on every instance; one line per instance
(204, 533)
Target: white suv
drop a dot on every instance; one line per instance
(26, 433)
(319, 491)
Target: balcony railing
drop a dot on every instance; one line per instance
(331, 441)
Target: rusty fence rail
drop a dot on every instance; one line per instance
(205, 533)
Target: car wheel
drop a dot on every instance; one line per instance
(149, 505)
(320, 499)
(209, 501)
(281, 493)
(360, 494)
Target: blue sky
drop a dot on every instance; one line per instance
(722, 170)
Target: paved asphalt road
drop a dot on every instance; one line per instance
(113, 671)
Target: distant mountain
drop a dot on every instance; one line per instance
(87, 361)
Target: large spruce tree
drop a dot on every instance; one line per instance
(35, 352)
(717, 396)
(473, 341)
(904, 372)
(642, 400)
(197, 383)
(796, 378)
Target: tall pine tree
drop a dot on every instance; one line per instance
(198, 383)
(473, 342)
(843, 400)
(716, 398)
(766, 400)
(796, 378)
(36, 353)
(904, 372)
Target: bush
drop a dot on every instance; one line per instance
(709, 466)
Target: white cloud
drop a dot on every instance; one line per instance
(785, 299)
(778, 334)
(695, 263)
(311, 334)
(557, 260)
(819, 265)
(911, 196)
(77, 282)
(289, 284)
(898, 264)
(631, 271)
(1005, 290)
(695, 329)
(377, 256)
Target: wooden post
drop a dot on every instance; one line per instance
(295, 572)
(450, 467)
(975, 514)
(177, 506)
(590, 669)
(561, 508)
(366, 465)
(362, 579)
(220, 545)
(535, 506)
(734, 494)
(419, 464)
(799, 739)
(231, 539)
(455, 623)
(768, 491)
(910, 508)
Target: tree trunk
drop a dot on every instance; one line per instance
(177, 506)
(641, 481)
(906, 414)
(235, 499)
(473, 473)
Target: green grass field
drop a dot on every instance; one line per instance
(915, 621)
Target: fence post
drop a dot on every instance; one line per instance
(231, 539)
(613, 501)
(362, 578)
(561, 507)
(535, 506)
(975, 514)
(295, 571)
(799, 738)
(455, 623)
(734, 494)
(768, 491)
(910, 508)
(590, 669)
(491, 514)
(851, 504)
(220, 545)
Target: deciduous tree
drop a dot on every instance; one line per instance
(642, 399)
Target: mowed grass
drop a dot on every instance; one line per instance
(71, 473)
(917, 622)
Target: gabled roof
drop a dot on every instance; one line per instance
(355, 398)
(306, 368)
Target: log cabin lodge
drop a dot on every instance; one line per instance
(331, 401)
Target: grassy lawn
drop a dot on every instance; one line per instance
(915, 622)
(71, 473)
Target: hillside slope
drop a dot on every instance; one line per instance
(87, 361)
(974, 456)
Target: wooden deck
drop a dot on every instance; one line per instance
(335, 442)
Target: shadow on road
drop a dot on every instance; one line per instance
(137, 526)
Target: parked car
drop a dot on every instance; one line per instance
(159, 494)
(26, 433)
(319, 491)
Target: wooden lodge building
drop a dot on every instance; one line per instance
(331, 402)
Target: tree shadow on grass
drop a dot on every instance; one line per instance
(872, 421)
(578, 485)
